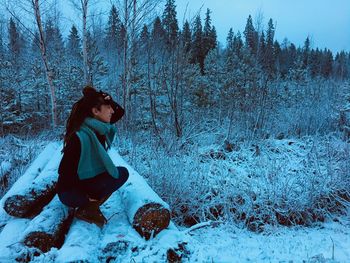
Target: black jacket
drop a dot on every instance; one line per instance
(68, 178)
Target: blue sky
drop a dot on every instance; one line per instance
(327, 22)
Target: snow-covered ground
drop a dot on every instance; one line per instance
(221, 241)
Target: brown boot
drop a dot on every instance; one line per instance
(91, 213)
(104, 199)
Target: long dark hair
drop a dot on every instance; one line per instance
(82, 109)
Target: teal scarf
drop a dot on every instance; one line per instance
(94, 158)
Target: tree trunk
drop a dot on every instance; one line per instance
(31, 197)
(48, 229)
(146, 211)
(48, 71)
(84, 6)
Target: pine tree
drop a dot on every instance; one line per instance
(15, 45)
(170, 24)
(269, 52)
(230, 50)
(340, 67)
(197, 44)
(306, 53)
(327, 63)
(96, 65)
(74, 43)
(144, 39)
(54, 40)
(314, 62)
(238, 44)
(251, 36)
(158, 33)
(113, 29)
(262, 51)
(209, 34)
(186, 37)
(277, 54)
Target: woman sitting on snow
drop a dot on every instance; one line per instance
(87, 175)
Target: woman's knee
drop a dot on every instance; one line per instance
(73, 199)
(123, 173)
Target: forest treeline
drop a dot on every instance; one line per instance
(159, 71)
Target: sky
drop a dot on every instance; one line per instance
(327, 22)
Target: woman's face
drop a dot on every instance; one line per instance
(104, 113)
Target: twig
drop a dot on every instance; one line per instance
(332, 248)
(201, 225)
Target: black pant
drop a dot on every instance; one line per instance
(98, 187)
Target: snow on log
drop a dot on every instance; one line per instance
(29, 196)
(48, 229)
(5, 168)
(146, 211)
(81, 244)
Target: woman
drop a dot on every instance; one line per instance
(87, 175)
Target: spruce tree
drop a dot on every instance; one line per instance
(250, 34)
(327, 63)
(209, 34)
(230, 50)
(14, 45)
(74, 43)
(306, 53)
(269, 52)
(113, 29)
(238, 44)
(170, 24)
(186, 37)
(197, 44)
(158, 33)
(262, 51)
(340, 67)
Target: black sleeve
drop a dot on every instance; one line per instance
(118, 112)
(68, 169)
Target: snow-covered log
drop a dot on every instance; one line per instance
(146, 211)
(48, 229)
(5, 168)
(27, 198)
(82, 243)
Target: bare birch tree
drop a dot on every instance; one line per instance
(33, 7)
(134, 14)
(82, 6)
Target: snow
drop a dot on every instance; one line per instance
(5, 166)
(10, 237)
(135, 192)
(33, 171)
(27, 178)
(205, 242)
(229, 244)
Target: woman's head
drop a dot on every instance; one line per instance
(95, 104)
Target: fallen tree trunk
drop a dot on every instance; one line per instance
(81, 243)
(48, 229)
(146, 211)
(30, 197)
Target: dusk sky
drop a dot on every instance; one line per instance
(327, 22)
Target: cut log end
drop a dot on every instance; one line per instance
(40, 240)
(30, 203)
(150, 219)
(44, 240)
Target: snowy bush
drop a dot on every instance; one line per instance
(18, 153)
(259, 183)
